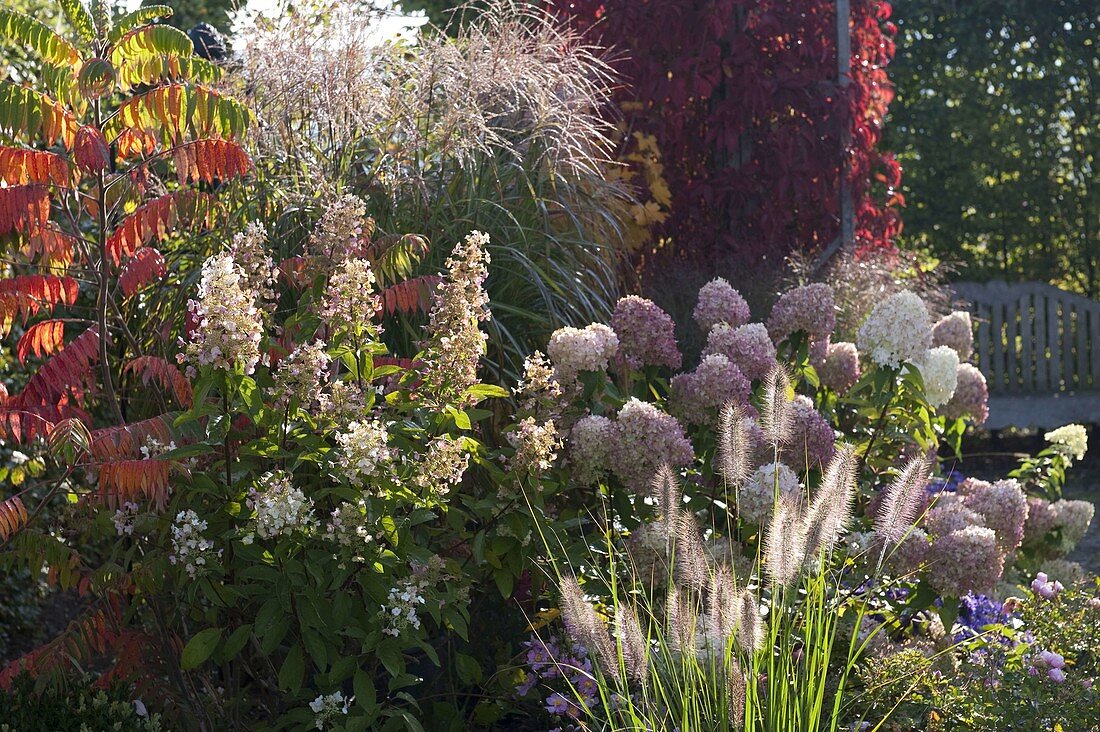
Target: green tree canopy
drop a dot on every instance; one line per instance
(997, 125)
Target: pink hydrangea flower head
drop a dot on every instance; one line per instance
(809, 308)
(1041, 518)
(720, 303)
(812, 438)
(697, 397)
(839, 370)
(647, 335)
(956, 331)
(911, 554)
(1002, 505)
(950, 514)
(748, 347)
(645, 439)
(971, 397)
(966, 560)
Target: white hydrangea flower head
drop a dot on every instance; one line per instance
(1071, 440)
(281, 509)
(189, 548)
(228, 323)
(364, 449)
(897, 330)
(756, 498)
(939, 368)
(573, 350)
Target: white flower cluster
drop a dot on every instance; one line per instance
(154, 448)
(897, 330)
(401, 610)
(536, 446)
(1072, 440)
(443, 465)
(364, 449)
(939, 368)
(459, 304)
(189, 549)
(250, 255)
(350, 301)
(348, 527)
(281, 509)
(757, 497)
(340, 228)
(228, 324)
(573, 350)
(328, 707)
(124, 518)
(300, 374)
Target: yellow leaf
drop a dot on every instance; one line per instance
(544, 618)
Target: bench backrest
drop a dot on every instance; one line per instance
(1033, 338)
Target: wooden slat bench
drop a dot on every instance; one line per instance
(1039, 349)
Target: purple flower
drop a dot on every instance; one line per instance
(809, 309)
(697, 397)
(557, 704)
(812, 438)
(720, 303)
(647, 335)
(748, 347)
(1044, 588)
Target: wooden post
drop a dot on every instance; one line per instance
(843, 75)
(847, 237)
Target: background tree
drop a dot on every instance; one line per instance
(997, 118)
(188, 13)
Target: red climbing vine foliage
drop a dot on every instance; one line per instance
(744, 101)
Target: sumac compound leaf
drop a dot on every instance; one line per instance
(134, 481)
(90, 150)
(24, 209)
(34, 117)
(210, 160)
(180, 111)
(20, 166)
(25, 295)
(155, 369)
(37, 36)
(13, 516)
(41, 339)
(144, 268)
(158, 219)
(409, 296)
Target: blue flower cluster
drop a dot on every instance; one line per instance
(975, 613)
(949, 483)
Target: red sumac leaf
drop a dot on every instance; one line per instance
(41, 339)
(144, 268)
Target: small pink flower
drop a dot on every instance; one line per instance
(1044, 588)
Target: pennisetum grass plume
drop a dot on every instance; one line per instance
(775, 407)
(831, 509)
(733, 446)
(691, 565)
(785, 541)
(900, 503)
